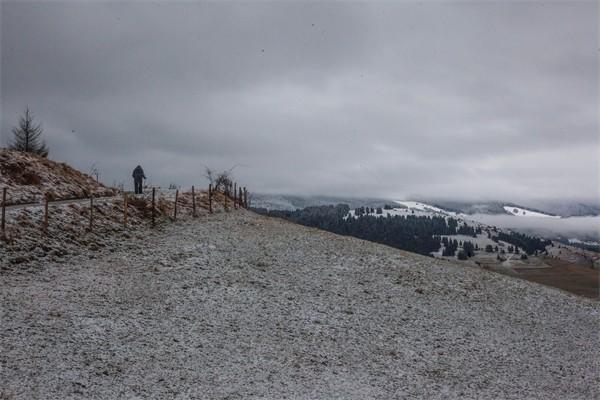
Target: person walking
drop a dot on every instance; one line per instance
(138, 176)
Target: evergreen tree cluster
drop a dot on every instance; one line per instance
(450, 247)
(468, 249)
(364, 211)
(419, 234)
(528, 243)
(467, 230)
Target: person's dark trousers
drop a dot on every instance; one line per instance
(138, 186)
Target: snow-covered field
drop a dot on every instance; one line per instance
(522, 212)
(589, 243)
(511, 210)
(423, 210)
(415, 205)
(238, 306)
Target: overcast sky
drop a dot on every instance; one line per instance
(391, 99)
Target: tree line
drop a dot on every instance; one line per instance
(418, 234)
(529, 244)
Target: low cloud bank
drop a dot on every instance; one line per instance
(572, 227)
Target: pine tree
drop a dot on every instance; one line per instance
(27, 136)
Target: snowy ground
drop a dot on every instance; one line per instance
(415, 205)
(29, 244)
(522, 212)
(238, 306)
(29, 179)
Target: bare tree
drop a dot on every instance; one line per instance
(220, 180)
(95, 172)
(27, 136)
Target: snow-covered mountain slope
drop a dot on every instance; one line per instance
(235, 305)
(293, 202)
(567, 208)
(523, 212)
(564, 208)
(418, 206)
(28, 178)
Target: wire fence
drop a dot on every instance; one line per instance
(231, 197)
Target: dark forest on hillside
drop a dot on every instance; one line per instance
(418, 234)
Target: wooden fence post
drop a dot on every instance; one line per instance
(153, 205)
(193, 203)
(91, 212)
(240, 197)
(3, 222)
(225, 195)
(245, 197)
(210, 198)
(46, 211)
(125, 210)
(175, 209)
(234, 196)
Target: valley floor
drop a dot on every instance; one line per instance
(238, 306)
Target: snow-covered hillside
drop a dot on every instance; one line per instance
(238, 306)
(28, 245)
(523, 212)
(28, 178)
(418, 206)
(294, 202)
(418, 209)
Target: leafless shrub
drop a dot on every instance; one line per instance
(220, 181)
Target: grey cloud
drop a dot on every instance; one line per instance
(472, 101)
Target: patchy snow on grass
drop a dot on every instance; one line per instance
(29, 244)
(415, 205)
(589, 243)
(523, 212)
(29, 178)
(239, 306)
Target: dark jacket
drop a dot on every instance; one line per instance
(138, 173)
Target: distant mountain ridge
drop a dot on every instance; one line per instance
(293, 202)
(551, 208)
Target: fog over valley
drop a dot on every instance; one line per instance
(582, 228)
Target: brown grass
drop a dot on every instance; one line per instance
(141, 205)
(570, 277)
